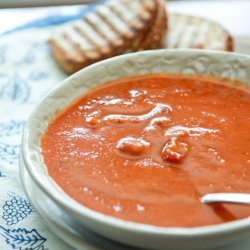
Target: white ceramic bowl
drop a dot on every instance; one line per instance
(188, 62)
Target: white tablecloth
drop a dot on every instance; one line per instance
(26, 73)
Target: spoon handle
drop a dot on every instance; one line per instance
(226, 198)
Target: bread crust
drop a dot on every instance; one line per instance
(66, 46)
(156, 36)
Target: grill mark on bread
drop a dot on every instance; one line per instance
(103, 29)
(68, 64)
(193, 33)
(198, 40)
(180, 43)
(214, 43)
(176, 30)
(86, 30)
(148, 18)
(79, 40)
(122, 11)
(143, 14)
(180, 39)
(85, 49)
(186, 40)
(133, 5)
(115, 22)
(69, 50)
(76, 47)
(210, 35)
(201, 38)
(170, 40)
(92, 36)
(126, 14)
(105, 32)
(149, 4)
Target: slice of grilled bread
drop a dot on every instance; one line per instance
(194, 32)
(120, 26)
(112, 28)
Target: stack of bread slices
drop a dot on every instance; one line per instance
(115, 27)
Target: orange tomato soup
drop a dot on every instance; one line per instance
(145, 149)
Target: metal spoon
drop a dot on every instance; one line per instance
(226, 198)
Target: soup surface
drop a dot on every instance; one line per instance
(145, 149)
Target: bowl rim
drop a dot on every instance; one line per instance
(80, 210)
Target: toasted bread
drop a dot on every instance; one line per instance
(121, 26)
(109, 30)
(194, 32)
